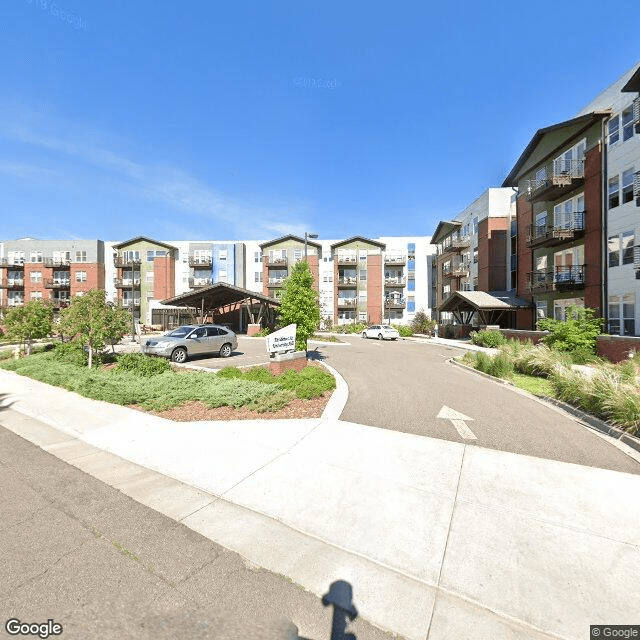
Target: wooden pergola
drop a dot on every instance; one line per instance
(221, 301)
(489, 309)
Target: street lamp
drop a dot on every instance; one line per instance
(308, 235)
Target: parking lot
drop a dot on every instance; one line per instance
(250, 352)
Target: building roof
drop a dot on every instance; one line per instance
(291, 237)
(142, 239)
(218, 295)
(444, 228)
(481, 300)
(382, 245)
(633, 84)
(587, 119)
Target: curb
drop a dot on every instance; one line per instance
(589, 421)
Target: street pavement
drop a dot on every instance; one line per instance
(439, 537)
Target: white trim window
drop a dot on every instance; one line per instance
(628, 239)
(627, 185)
(36, 256)
(614, 192)
(571, 161)
(560, 307)
(614, 129)
(627, 125)
(629, 314)
(35, 276)
(81, 256)
(36, 295)
(81, 276)
(570, 213)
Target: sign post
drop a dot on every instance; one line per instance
(282, 341)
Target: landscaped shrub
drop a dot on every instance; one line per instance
(538, 360)
(229, 372)
(142, 365)
(311, 382)
(446, 331)
(579, 332)
(488, 338)
(264, 332)
(70, 353)
(422, 323)
(403, 330)
(357, 327)
(275, 402)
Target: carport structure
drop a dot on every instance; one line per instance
(227, 304)
(498, 308)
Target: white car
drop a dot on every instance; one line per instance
(381, 331)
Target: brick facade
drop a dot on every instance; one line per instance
(164, 277)
(374, 288)
(593, 229)
(492, 254)
(617, 348)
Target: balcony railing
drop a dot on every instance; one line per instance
(397, 260)
(347, 282)
(636, 112)
(558, 279)
(460, 242)
(60, 303)
(636, 185)
(277, 262)
(52, 283)
(13, 302)
(347, 259)
(394, 282)
(17, 263)
(126, 302)
(200, 261)
(276, 282)
(460, 270)
(553, 179)
(127, 283)
(195, 283)
(347, 302)
(565, 229)
(12, 283)
(636, 257)
(121, 262)
(56, 263)
(395, 303)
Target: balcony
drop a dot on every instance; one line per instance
(12, 302)
(395, 260)
(553, 180)
(52, 283)
(277, 262)
(636, 257)
(197, 283)
(276, 282)
(460, 242)
(558, 279)
(12, 283)
(56, 263)
(200, 261)
(127, 283)
(549, 235)
(460, 270)
(121, 262)
(347, 259)
(60, 303)
(348, 281)
(636, 185)
(394, 282)
(348, 303)
(14, 263)
(636, 113)
(395, 303)
(126, 302)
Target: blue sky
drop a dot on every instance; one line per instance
(249, 120)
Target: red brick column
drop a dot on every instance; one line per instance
(374, 288)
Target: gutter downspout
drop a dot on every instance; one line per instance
(604, 219)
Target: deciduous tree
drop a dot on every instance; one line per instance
(29, 322)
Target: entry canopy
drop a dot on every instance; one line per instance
(222, 298)
(490, 307)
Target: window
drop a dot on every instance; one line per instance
(629, 314)
(35, 276)
(15, 257)
(149, 277)
(614, 130)
(362, 295)
(627, 247)
(411, 284)
(36, 256)
(614, 315)
(446, 289)
(153, 254)
(627, 185)
(81, 256)
(257, 257)
(362, 315)
(258, 276)
(614, 192)
(560, 307)
(411, 304)
(541, 309)
(36, 295)
(81, 276)
(411, 248)
(363, 275)
(627, 124)
(297, 255)
(474, 222)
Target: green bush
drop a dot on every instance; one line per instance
(264, 332)
(488, 338)
(275, 402)
(356, 327)
(579, 333)
(259, 374)
(311, 382)
(447, 331)
(422, 323)
(229, 372)
(403, 330)
(70, 353)
(142, 365)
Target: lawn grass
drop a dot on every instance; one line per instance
(169, 389)
(533, 384)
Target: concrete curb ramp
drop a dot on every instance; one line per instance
(439, 539)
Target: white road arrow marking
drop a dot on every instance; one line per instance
(458, 420)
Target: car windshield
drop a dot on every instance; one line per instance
(180, 332)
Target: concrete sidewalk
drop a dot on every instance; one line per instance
(439, 539)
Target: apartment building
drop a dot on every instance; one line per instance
(621, 203)
(472, 248)
(52, 270)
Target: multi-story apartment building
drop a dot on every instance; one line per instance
(621, 180)
(279, 256)
(52, 270)
(472, 249)
(559, 217)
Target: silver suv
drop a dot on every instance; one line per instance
(192, 340)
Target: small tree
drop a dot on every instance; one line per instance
(29, 322)
(422, 323)
(578, 333)
(91, 321)
(300, 304)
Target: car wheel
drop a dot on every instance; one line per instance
(364, 334)
(380, 336)
(225, 350)
(179, 355)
